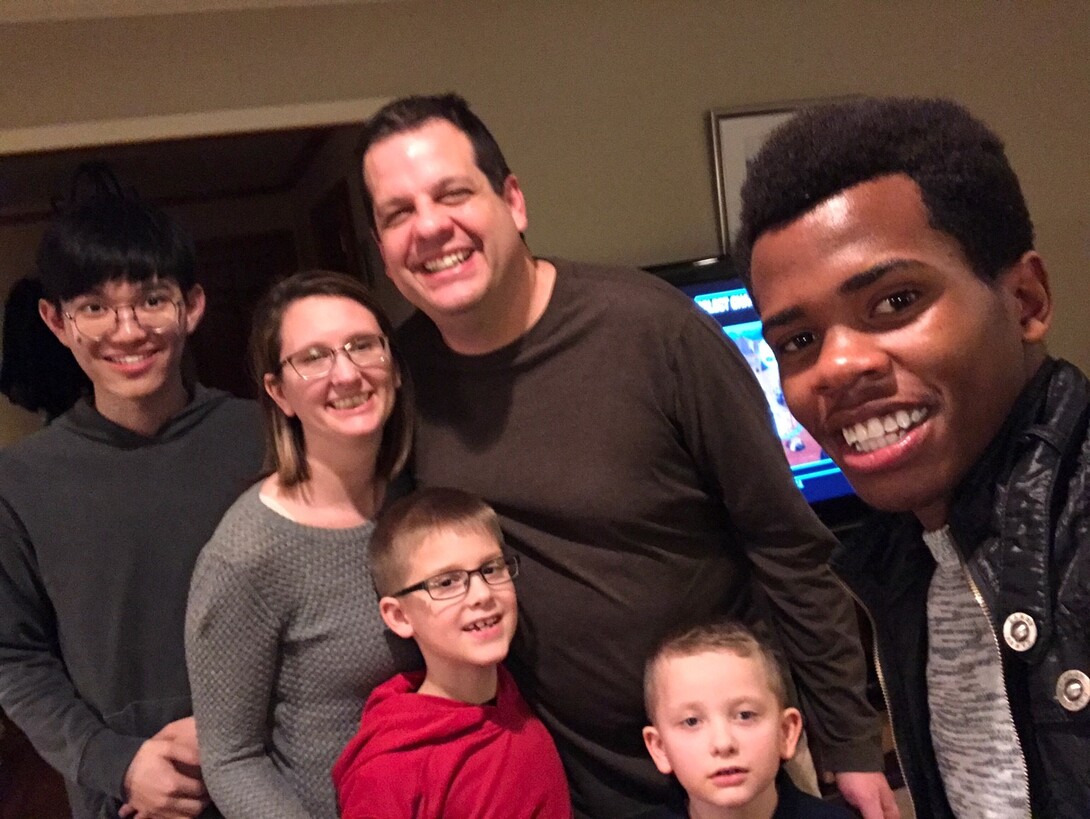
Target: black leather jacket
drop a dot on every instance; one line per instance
(1022, 520)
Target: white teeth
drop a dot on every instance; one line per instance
(480, 624)
(878, 432)
(128, 359)
(444, 262)
(350, 401)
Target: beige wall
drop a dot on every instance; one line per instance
(601, 105)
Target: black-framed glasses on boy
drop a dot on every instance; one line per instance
(317, 361)
(455, 583)
(155, 313)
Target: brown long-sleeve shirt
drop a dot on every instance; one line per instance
(628, 451)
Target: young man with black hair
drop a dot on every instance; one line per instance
(890, 252)
(103, 513)
(587, 405)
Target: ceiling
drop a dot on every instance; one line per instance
(169, 172)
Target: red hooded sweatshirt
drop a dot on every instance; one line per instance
(417, 757)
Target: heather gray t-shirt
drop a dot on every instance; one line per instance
(977, 748)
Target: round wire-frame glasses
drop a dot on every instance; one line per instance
(95, 320)
(317, 360)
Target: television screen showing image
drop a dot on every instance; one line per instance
(712, 286)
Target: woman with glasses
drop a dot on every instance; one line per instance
(283, 637)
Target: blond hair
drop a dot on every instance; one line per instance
(722, 635)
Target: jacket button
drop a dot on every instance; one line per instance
(1020, 631)
(1073, 690)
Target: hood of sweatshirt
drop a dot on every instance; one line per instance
(84, 420)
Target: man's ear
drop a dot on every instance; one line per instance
(790, 729)
(275, 390)
(653, 740)
(516, 202)
(54, 320)
(393, 615)
(1026, 283)
(193, 305)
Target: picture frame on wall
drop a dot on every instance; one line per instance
(736, 135)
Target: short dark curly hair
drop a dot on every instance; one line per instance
(968, 187)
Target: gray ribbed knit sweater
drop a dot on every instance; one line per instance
(284, 643)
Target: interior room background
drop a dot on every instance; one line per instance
(601, 108)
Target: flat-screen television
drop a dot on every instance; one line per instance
(712, 284)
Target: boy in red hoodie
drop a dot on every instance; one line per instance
(456, 740)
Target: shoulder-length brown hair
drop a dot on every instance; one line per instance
(285, 447)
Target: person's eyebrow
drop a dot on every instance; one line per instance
(453, 568)
(452, 180)
(687, 706)
(781, 318)
(853, 284)
(390, 202)
(863, 280)
(439, 187)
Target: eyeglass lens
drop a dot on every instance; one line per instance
(96, 320)
(455, 584)
(317, 361)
